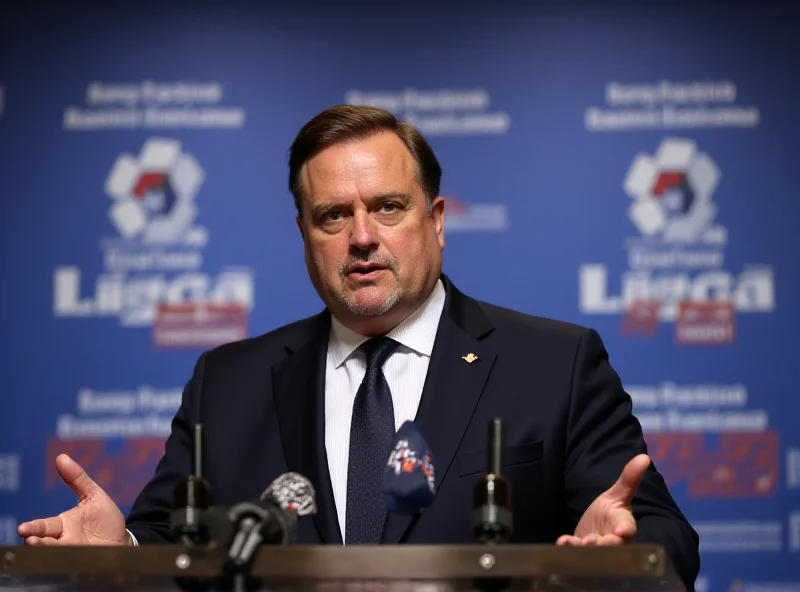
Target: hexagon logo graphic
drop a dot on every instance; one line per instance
(673, 193)
(153, 195)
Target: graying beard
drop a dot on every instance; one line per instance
(364, 311)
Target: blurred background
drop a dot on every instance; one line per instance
(628, 166)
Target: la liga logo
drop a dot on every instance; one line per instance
(676, 271)
(154, 272)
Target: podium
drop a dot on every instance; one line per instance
(387, 568)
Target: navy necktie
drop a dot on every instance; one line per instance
(371, 437)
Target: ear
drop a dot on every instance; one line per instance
(437, 215)
(299, 220)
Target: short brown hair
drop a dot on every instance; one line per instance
(344, 123)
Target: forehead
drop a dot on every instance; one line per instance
(359, 167)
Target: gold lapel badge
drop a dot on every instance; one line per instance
(469, 358)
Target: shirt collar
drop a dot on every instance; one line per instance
(417, 332)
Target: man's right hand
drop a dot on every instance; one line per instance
(95, 520)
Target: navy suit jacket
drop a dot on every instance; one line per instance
(569, 430)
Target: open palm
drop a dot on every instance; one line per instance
(609, 519)
(95, 520)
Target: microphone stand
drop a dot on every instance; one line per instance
(492, 514)
(195, 524)
(239, 530)
(191, 500)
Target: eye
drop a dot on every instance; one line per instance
(332, 216)
(389, 207)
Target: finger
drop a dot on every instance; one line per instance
(622, 523)
(610, 540)
(591, 539)
(630, 478)
(625, 526)
(74, 476)
(567, 540)
(35, 541)
(43, 527)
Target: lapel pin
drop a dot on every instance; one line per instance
(469, 358)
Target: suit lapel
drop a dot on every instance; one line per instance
(452, 388)
(299, 389)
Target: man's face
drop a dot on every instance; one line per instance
(373, 251)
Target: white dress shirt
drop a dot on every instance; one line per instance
(405, 371)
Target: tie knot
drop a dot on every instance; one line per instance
(378, 350)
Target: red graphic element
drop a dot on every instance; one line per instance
(453, 205)
(642, 317)
(736, 586)
(407, 465)
(427, 467)
(198, 324)
(122, 475)
(668, 180)
(705, 323)
(743, 465)
(148, 181)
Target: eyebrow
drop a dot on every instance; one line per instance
(391, 195)
(324, 208)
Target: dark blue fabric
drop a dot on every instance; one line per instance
(371, 438)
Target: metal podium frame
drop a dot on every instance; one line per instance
(407, 567)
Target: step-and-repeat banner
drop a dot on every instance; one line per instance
(625, 166)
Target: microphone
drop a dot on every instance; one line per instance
(409, 482)
(257, 523)
(294, 493)
(270, 521)
(492, 517)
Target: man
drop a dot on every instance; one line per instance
(398, 341)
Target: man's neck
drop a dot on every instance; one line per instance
(374, 326)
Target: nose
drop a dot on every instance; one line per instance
(363, 234)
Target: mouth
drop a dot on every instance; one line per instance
(364, 272)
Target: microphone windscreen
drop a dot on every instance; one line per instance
(409, 482)
(293, 493)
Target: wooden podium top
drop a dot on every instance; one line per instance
(427, 568)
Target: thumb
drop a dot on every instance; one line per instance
(74, 476)
(624, 489)
(622, 523)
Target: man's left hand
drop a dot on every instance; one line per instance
(609, 520)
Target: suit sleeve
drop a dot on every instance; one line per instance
(149, 518)
(602, 436)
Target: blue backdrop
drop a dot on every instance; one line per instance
(626, 166)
